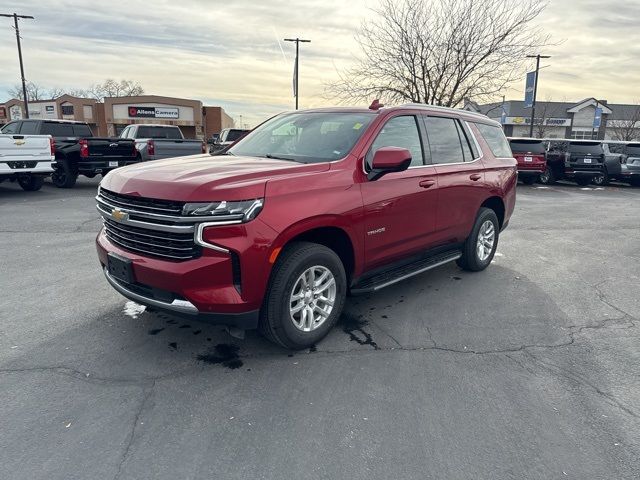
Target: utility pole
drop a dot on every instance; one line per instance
(24, 83)
(295, 68)
(535, 90)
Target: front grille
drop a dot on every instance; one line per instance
(15, 165)
(140, 204)
(176, 246)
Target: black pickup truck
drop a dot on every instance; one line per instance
(577, 160)
(77, 151)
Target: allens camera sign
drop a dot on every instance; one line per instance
(153, 112)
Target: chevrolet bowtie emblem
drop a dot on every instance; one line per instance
(118, 214)
(19, 142)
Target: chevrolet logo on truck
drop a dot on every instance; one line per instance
(119, 215)
(19, 142)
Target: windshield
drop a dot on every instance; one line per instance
(159, 132)
(527, 146)
(586, 147)
(305, 137)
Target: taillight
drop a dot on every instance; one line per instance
(204, 148)
(151, 147)
(84, 148)
(52, 146)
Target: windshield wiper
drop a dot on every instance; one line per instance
(276, 157)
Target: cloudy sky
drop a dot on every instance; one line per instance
(231, 53)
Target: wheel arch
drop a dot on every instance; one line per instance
(496, 204)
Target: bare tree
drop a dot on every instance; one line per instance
(441, 51)
(35, 92)
(541, 122)
(113, 88)
(626, 130)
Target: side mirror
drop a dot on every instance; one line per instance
(387, 160)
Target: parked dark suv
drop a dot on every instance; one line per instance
(578, 160)
(307, 207)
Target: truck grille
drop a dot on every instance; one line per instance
(178, 246)
(148, 205)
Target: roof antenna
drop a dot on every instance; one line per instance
(376, 105)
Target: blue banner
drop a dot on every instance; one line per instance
(597, 118)
(529, 89)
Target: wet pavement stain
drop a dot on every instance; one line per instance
(197, 332)
(313, 349)
(384, 316)
(173, 345)
(223, 354)
(456, 278)
(354, 327)
(155, 331)
(172, 321)
(184, 326)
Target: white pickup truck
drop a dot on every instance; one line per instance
(155, 142)
(27, 159)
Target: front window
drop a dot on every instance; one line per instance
(234, 135)
(305, 137)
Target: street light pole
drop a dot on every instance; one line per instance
(535, 90)
(24, 83)
(295, 68)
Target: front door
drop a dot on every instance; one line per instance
(400, 208)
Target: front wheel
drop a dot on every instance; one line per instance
(601, 180)
(31, 183)
(481, 244)
(64, 175)
(305, 297)
(547, 177)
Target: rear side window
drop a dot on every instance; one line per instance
(633, 149)
(236, 134)
(400, 132)
(57, 129)
(28, 128)
(444, 140)
(82, 131)
(527, 146)
(158, 132)
(494, 136)
(10, 128)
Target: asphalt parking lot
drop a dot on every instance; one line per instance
(528, 370)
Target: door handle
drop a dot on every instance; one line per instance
(427, 183)
(475, 177)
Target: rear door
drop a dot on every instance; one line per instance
(400, 208)
(460, 172)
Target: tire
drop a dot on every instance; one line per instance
(276, 318)
(548, 177)
(470, 259)
(64, 176)
(31, 183)
(583, 182)
(601, 180)
(529, 180)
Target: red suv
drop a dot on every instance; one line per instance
(531, 155)
(308, 207)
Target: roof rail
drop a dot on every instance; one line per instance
(447, 109)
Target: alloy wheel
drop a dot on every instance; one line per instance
(486, 240)
(312, 298)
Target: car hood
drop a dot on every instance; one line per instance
(204, 177)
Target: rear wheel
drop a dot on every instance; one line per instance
(547, 177)
(529, 180)
(481, 244)
(306, 295)
(31, 183)
(64, 175)
(583, 181)
(601, 180)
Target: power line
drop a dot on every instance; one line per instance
(24, 83)
(295, 68)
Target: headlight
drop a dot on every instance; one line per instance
(244, 210)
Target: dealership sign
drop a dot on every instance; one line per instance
(153, 112)
(549, 122)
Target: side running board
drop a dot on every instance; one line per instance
(397, 274)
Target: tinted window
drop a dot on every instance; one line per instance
(57, 129)
(468, 157)
(159, 132)
(80, 130)
(234, 135)
(633, 149)
(444, 140)
(305, 137)
(585, 147)
(29, 128)
(399, 132)
(527, 146)
(616, 147)
(11, 128)
(494, 136)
